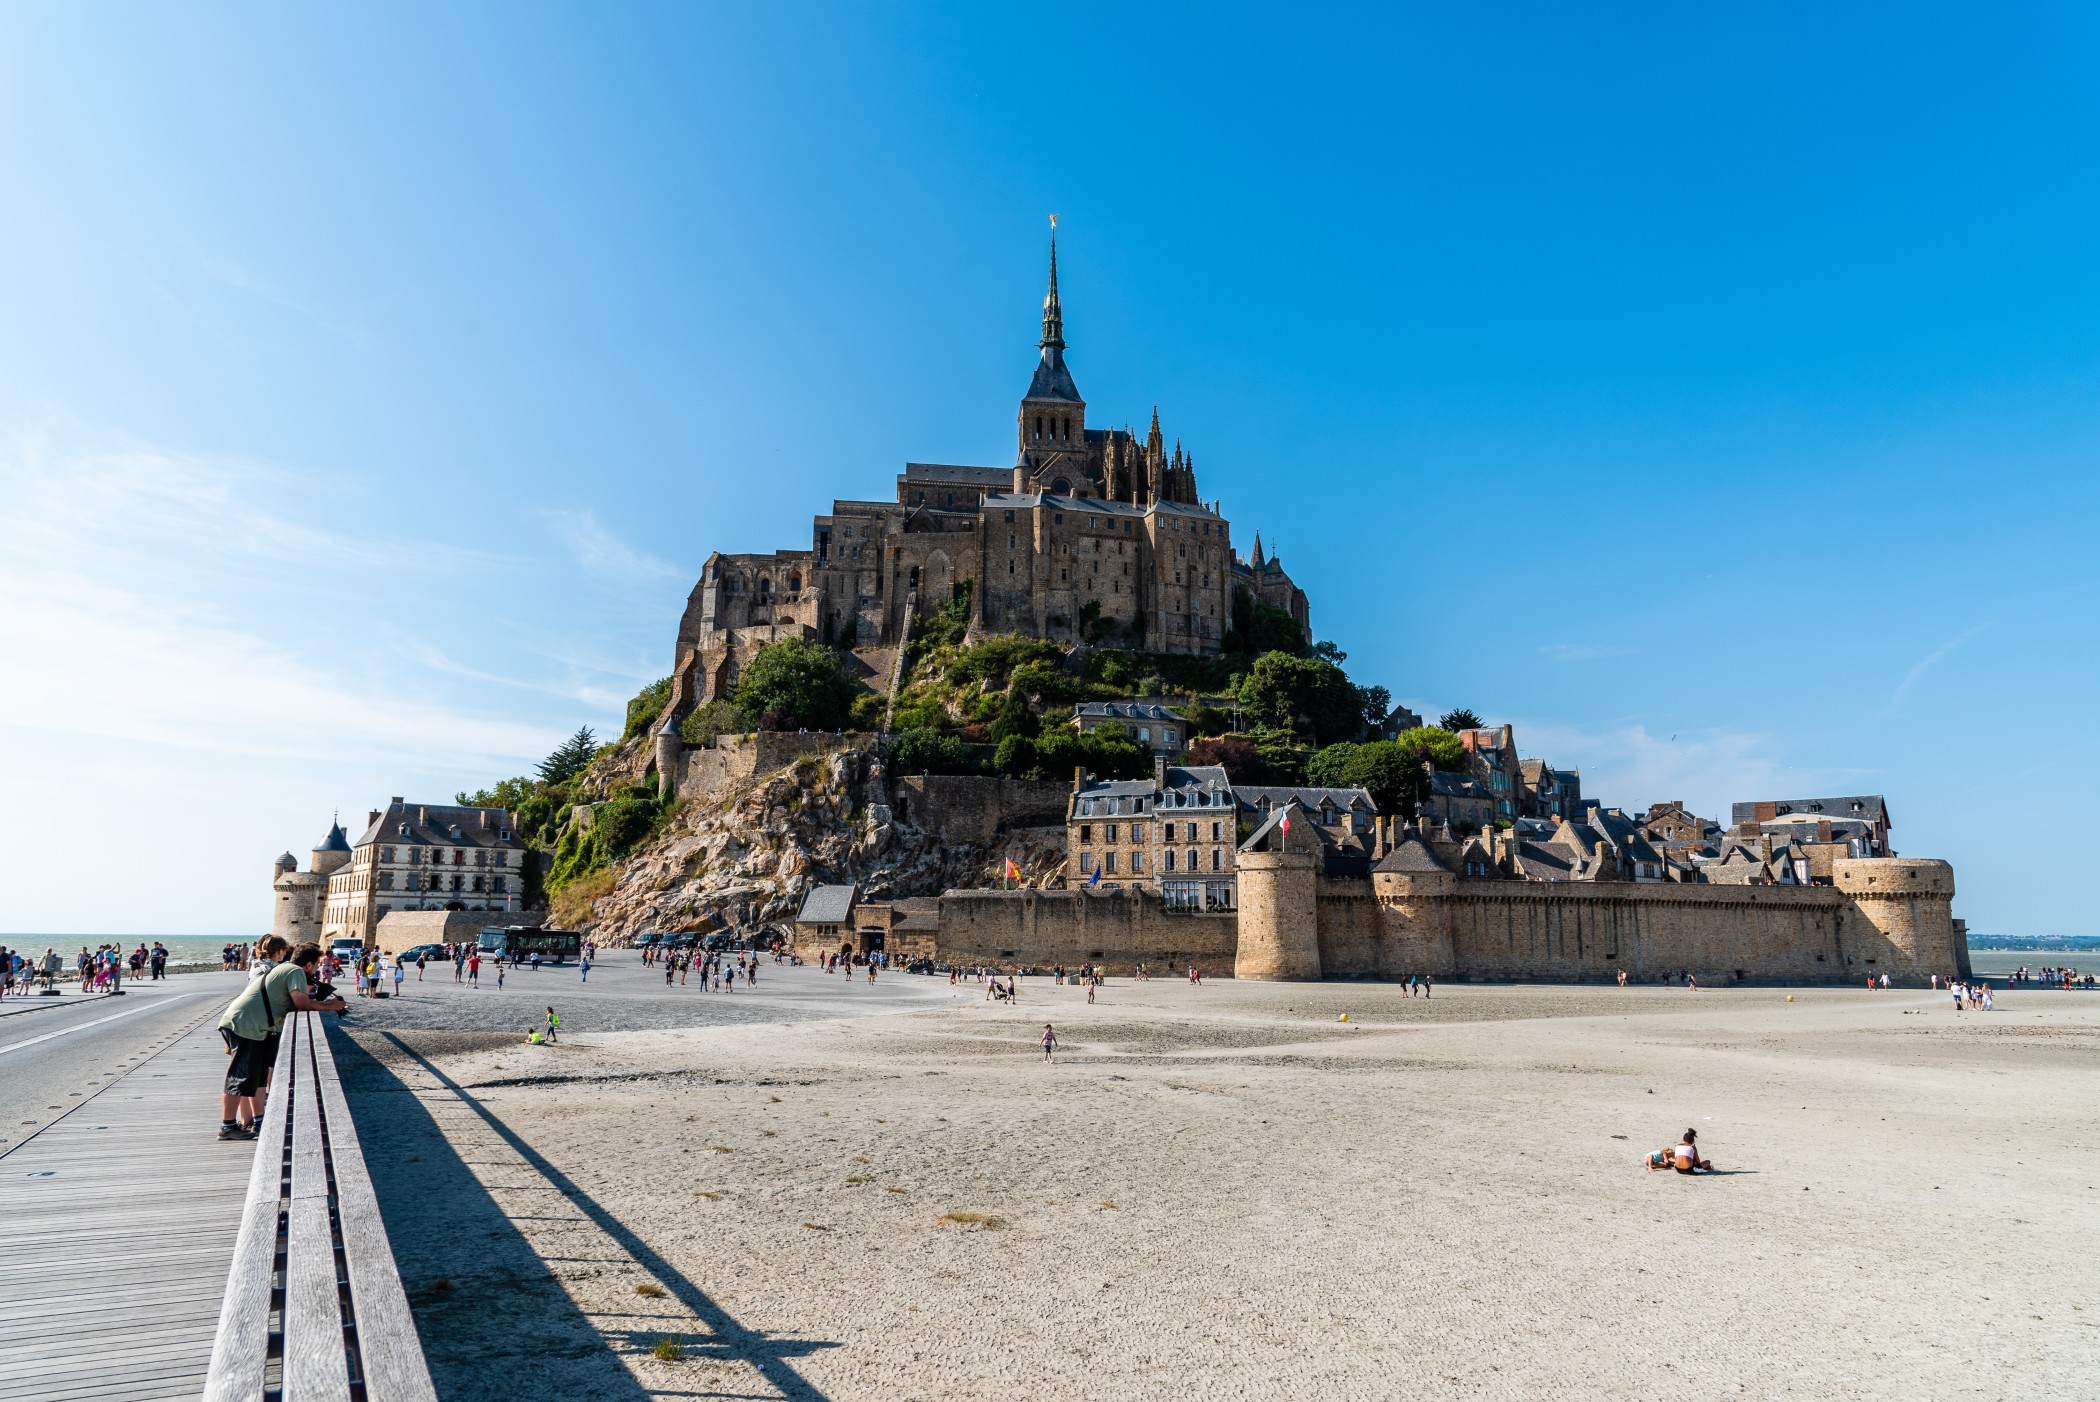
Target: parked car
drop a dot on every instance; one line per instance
(716, 943)
(345, 947)
(919, 966)
(435, 953)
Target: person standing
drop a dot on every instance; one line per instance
(474, 969)
(583, 967)
(256, 1012)
(553, 1025)
(1049, 1044)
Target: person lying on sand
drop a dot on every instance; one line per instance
(1687, 1157)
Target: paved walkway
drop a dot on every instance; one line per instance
(117, 1224)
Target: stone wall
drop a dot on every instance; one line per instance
(1117, 929)
(705, 773)
(1885, 915)
(976, 808)
(405, 929)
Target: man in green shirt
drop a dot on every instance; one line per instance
(254, 1014)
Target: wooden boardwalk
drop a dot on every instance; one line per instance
(117, 1226)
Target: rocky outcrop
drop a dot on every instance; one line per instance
(748, 856)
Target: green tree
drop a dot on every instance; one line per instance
(570, 758)
(1329, 766)
(1378, 704)
(507, 793)
(711, 722)
(1275, 631)
(1304, 695)
(1460, 719)
(1434, 746)
(1016, 717)
(643, 710)
(1327, 651)
(795, 683)
(927, 751)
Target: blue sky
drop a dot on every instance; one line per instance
(1710, 397)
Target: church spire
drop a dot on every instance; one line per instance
(1053, 310)
(1257, 550)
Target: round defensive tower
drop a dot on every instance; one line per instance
(1906, 909)
(1279, 915)
(1414, 910)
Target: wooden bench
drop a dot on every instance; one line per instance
(314, 1312)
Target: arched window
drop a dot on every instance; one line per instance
(794, 583)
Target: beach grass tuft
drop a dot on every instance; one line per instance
(668, 1350)
(649, 1290)
(710, 1196)
(972, 1219)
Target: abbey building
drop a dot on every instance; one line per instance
(1093, 534)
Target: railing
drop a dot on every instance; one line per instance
(313, 1312)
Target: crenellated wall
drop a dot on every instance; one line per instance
(1884, 915)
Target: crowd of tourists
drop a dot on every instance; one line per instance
(718, 972)
(102, 969)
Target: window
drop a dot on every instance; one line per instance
(1217, 832)
(1192, 856)
(1086, 862)
(1144, 732)
(1217, 859)
(1167, 735)
(1170, 860)
(1086, 832)
(1108, 864)
(498, 884)
(1137, 832)
(1108, 832)
(386, 881)
(414, 881)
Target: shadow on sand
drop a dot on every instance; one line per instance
(505, 1328)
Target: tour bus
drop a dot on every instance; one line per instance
(519, 942)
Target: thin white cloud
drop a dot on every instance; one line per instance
(604, 554)
(1932, 659)
(1630, 767)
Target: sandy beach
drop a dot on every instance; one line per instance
(1227, 1192)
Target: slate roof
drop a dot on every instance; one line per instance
(1411, 854)
(1052, 380)
(1188, 785)
(1275, 795)
(1445, 784)
(336, 841)
(1124, 710)
(1870, 807)
(827, 905)
(434, 824)
(955, 472)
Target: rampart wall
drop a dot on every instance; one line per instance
(1885, 915)
(1116, 929)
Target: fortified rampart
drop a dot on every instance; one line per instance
(1116, 929)
(1884, 915)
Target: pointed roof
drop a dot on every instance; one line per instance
(335, 841)
(1257, 550)
(1052, 380)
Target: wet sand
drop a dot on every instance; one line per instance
(1224, 1192)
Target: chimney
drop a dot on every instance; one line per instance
(1159, 771)
(1078, 777)
(484, 818)
(373, 819)
(396, 800)
(422, 813)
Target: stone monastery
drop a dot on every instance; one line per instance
(1090, 525)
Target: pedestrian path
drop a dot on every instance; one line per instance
(117, 1224)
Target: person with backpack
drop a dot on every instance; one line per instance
(255, 1013)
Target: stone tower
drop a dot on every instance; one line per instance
(1414, 890)
(1279, 920)
(1052, 421)
(300, 898)
(1907, 924)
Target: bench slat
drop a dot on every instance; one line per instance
(315, 1364)
(240, 1351)
(395, 1370)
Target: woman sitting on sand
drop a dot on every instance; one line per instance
(1687, 1157)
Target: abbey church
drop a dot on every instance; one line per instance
(1094, 534)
